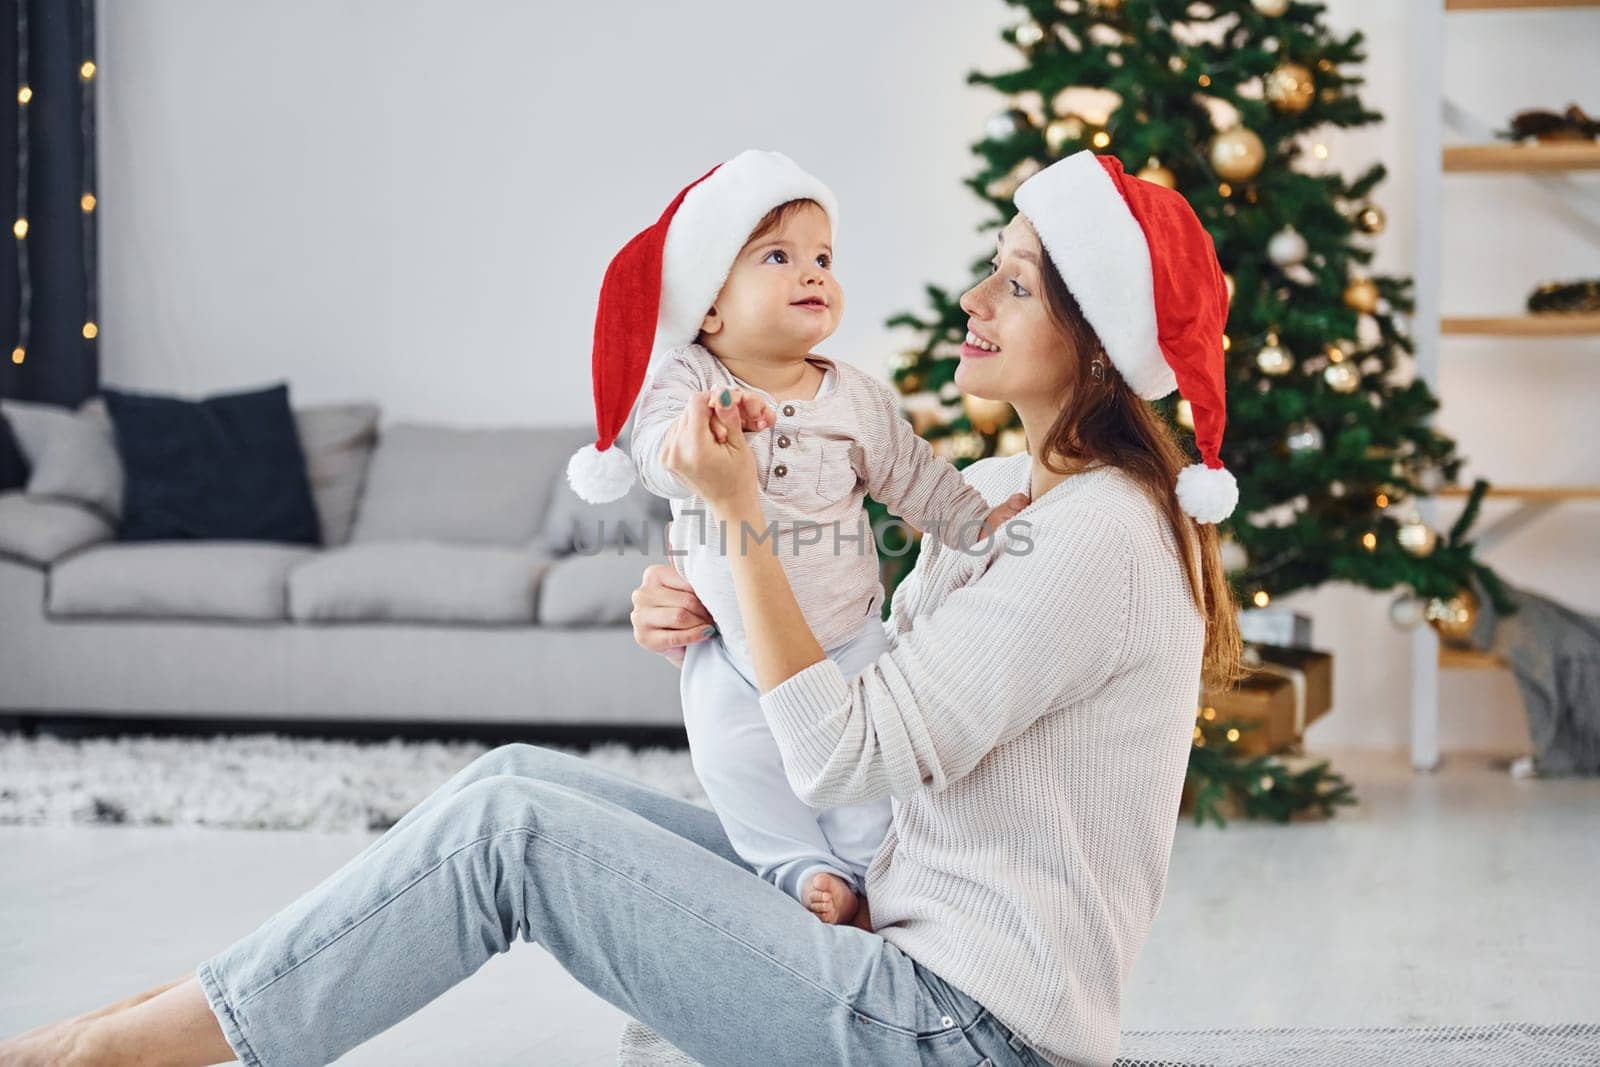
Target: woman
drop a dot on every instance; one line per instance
(1032, 721)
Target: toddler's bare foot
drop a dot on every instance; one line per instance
(831, 898)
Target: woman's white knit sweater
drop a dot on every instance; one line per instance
(1032, 721)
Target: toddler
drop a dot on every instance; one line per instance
(734, 286)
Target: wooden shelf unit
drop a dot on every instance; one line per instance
(1546, 162)
(1548, 324)
(1527, 158)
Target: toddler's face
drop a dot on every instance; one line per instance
(781, 297)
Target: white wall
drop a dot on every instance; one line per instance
(414, 202)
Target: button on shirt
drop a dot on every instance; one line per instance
(815, 468)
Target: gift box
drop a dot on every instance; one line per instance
(1284, 690)
(1275, 626)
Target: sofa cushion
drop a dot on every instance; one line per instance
(177, 579)
(573, 524)
(416, 581)
(226, 467)
(467, 486)
(594, 589)
(337, 440)
(71, 454)
(40, 530)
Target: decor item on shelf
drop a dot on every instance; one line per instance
(1569, 298)
(1275, 626)
(1551, 126)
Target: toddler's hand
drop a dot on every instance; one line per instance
(1004, 513)
(753, 412)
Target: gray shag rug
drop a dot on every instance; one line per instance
(1492, 1045)
(261, 781)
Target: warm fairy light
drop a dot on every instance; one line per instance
(1369, 540)
(1199, 739)
(17, 354)
(1266, 781)
(21, 228)
(1261, 599)
(1319, 150)
(1101, 139)
(1227, 342)
(1209, 713)
(1233, 733)
(87, 203)
(1383, 500)
(1225, 189)
(90, 331)
(24, 94)
(1205, 80)
(87, 70)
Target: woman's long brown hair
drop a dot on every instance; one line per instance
(1105, 421)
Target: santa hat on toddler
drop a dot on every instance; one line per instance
(658, 289)
(1144, 271)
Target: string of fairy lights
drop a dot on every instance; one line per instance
(87, 201)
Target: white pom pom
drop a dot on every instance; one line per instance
(1209, 494)
(599, 476)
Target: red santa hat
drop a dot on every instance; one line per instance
(658, 289)
(1145, 273)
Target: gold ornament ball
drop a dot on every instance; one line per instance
(1417, 537)
(1371, 219)
(1453, 618)
(1274, 360)
(1238, 154)
(1342, 377)
(1029, 34)
(1012, 441)
(1184, 413)
(909, 383)
(1063, 132)
(1159, 175)
(1362, 295)
(1270, 8)
(986, 416)
(1289, 88)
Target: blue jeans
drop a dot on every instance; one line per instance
(637, 894)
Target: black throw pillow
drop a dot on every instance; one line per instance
(228, 467)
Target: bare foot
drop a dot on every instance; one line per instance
(59, 1041)
(831, 898)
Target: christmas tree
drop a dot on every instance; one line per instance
(1328, 431)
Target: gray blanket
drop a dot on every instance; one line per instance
(1554, 653)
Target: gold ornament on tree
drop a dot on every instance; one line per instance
(1274, 359)
(1342, 377)
(1029, 34)
(1153, 171)
(1371, 219)
(1270, 8)
(986, 416)
(1417, 537)
(1184, 413)
(1454, 617)
(1005, 186)
(1067, 130)
(1289, 88)
(1362, 295)
(1238, 154)
(1012, 441)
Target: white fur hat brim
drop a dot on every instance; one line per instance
(1100, 251)
(711, 226)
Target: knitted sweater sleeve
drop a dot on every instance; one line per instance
(1036, 630)
(905, 475)
(667, 393)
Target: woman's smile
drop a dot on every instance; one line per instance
(977, 346)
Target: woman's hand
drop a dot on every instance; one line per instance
(706, 450)
(667, 615)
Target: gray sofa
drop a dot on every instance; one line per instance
(460, 580)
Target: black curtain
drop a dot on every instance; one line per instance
(47, 276)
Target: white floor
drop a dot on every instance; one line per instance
(1461, 896)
